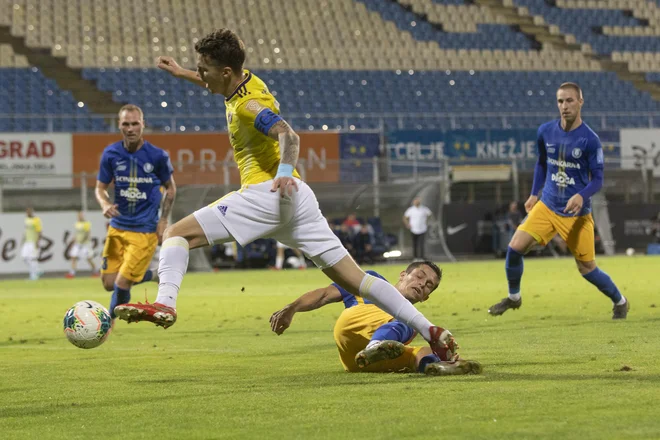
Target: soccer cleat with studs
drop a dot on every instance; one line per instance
(381, 351)
(504, 305)
(457, 368)
(159, 314)
(621, 312)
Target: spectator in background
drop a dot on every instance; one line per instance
(416, 219)
(345, 235)
(654, 230)
(351, 221)
(363, 244)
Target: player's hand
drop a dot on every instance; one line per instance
(160, 229)
(110, 210)
(286, 185)
(169, 65)
(574, 205)
(531, 201)
(281, 320)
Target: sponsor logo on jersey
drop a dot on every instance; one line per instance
(134, 179)
(120, 165)
(148, 167)
(563, 163)
(562, 179)
(577, 153)
(222, 209)
(133, 194)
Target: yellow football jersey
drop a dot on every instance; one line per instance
(32, 229)
(82, 232)
(256, 154)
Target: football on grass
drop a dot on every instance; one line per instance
(87, 324)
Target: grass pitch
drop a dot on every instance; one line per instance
(552, 369)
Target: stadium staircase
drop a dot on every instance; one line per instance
(67, 78)
(536, 27)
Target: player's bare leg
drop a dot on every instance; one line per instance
(590, 271)
(520, 244)
(348, 274)
(72, 271)
(178, 239)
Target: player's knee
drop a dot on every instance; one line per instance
(585, 266)
(108, 282)
(521, 242)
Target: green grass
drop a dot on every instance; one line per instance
(551, 369)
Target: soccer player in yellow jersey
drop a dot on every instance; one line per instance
(30, 249)
(82, 246)
(370, 340)
(272, 203)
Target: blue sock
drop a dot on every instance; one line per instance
(604, 283)
(148, 276)
(428, 359)
(119, 296)
(514, 270)
(394, 331)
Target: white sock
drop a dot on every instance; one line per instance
(34, 268)
(514, 296)
(279, 261)
(622, 301)
(385, 296)
(372, 343)
(303, 263)
(172, 266)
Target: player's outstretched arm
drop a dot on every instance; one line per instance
(289, 150)
(101, 193)
(315, 299)
(169, 65)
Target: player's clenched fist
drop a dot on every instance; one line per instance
(168, 64)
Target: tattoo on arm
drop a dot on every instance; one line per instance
(168, 200)
(289, 142)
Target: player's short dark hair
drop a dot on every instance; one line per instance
(572, 86)
(431, 264)
(224, 48)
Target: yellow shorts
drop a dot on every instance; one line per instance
(578, 232)
(353, 332)
(128, 253)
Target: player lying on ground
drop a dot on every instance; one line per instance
(138, 170)
(569, 170)
(272, 203)
(371, 340)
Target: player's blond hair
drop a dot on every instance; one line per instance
(131, 108)
(572, 86)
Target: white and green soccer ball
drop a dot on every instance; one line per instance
(87, 324)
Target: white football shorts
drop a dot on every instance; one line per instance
(29, 251)
(80, 251)
(255, 212)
